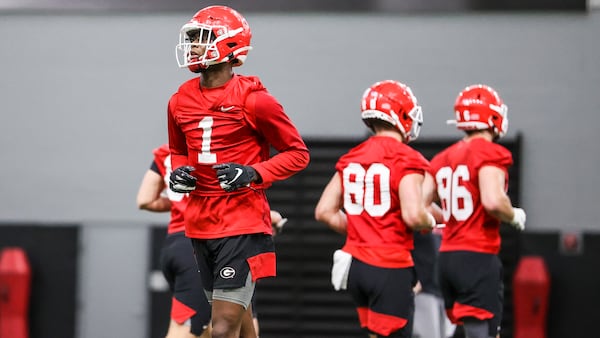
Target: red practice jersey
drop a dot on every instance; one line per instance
(162, 159)
(371, 175)
(237, 122)
(456, 170)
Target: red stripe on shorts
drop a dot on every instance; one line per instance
(262, 265)
(460, 311)
(383, 324)
(181, 312)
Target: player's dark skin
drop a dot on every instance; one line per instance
(214, 75)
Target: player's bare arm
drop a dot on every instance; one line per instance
(329, 207)
(149, 194)
(495, 200)
(430, 198)
(414, 212)
(493, 197)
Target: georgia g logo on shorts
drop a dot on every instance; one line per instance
(227, 272)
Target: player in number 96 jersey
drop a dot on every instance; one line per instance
(375, 199)
(470, 182)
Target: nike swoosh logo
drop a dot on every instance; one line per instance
(226, 109)
(239, 173)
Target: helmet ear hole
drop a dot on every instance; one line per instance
(231, 44)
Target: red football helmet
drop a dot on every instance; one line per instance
(393, 102)
(480, 107)
(222, 31)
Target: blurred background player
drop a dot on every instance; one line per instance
(375, 199)
(190, 310)
(221, 129)
(470, 182)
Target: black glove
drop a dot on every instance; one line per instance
(181, 181)
(233, 176)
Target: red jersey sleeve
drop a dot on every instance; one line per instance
(496, 155)
(269, 119)
(409, 161)
(414, 162)
(177, 141)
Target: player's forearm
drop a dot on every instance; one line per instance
(336, 221)
(412, 203)
(282, 165)
(495, 201)
(419, 220)
(429, 189)
(149, 193)
(500, 207)
(161, 204)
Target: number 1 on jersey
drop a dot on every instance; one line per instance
(206, 156)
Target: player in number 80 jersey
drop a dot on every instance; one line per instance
(378, 186)
(470, 182)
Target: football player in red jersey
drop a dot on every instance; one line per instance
(190, 310)
(470, 180)
(375, 199)
(221, 127)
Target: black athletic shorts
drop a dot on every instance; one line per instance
(224, 263)
(384, 298)
(472, 286)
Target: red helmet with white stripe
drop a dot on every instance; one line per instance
(479, 107)
(222, 31)
(393, 102)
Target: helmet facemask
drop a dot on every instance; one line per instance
(416, 115)
(502, 112)
(199, 35)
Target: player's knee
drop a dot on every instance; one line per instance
(220, 332)
(224, 327)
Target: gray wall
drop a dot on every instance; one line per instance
(84, 97)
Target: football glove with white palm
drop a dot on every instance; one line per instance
(233, 176)
(181, 180)
(519, 219)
